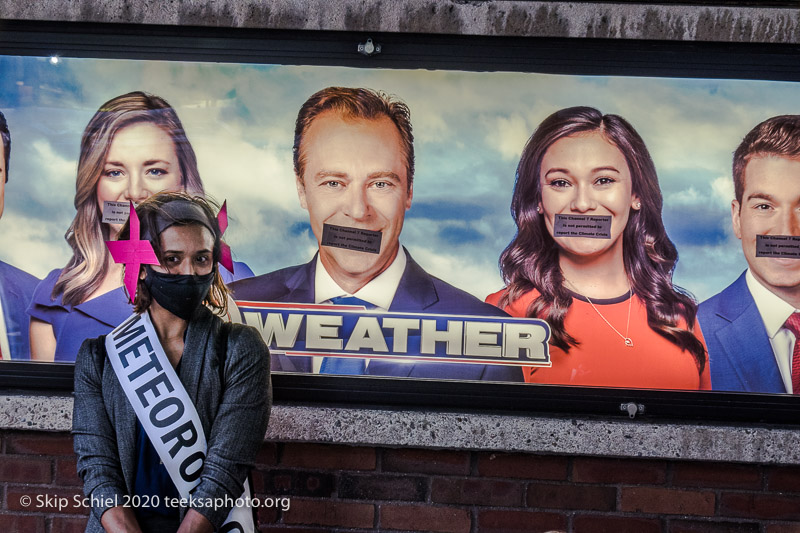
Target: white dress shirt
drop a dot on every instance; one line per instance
(5, 349)
(378, 291)
(774, 311)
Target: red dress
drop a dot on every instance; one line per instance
(601, 357)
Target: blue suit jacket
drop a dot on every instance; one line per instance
(418, 291)
(739, 353)
(16, 291)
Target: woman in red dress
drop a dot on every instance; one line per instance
(616, 318)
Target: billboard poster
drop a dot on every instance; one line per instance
(482, 226)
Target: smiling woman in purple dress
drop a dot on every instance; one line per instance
(133, 147)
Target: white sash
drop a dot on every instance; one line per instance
(166, 412)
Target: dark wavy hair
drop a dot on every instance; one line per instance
(150, 212)
(531, 260)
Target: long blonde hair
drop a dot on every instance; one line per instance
(88, 266)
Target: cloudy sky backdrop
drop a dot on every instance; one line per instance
(470, 129)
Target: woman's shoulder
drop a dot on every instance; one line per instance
(246, 350)
(494, 298)
(94, 346)
(91, 356)
(244, 337)
(43, 306)
(518, 307)
(44, 289)
(238, 337)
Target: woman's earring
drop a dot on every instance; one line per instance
(637, 205)
(539, 209)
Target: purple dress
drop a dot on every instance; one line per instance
(92, 318)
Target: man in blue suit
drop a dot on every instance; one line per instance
(16, 286)
(354, 168)
(752, 326)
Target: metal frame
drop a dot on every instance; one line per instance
(545, 55)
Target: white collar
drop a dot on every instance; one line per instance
(5, 347)
(773, 310)
(379, 291)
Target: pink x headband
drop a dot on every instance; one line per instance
(136, 252)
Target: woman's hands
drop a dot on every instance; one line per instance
(120, 519)
(194, 522)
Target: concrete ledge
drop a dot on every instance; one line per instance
(465, 17)
(471, 431)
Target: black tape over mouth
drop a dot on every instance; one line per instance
(589, 226)
(778, 246)
(357, 239)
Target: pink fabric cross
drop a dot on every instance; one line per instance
(226, 259)
(133, 253)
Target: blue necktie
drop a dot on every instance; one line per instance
(345, 366)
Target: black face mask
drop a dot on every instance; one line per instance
(179, 294)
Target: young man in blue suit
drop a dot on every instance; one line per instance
(752, 326)
(354, 168)
(16, 286)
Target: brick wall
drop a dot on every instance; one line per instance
(341, 488)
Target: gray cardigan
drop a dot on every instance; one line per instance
(233, 404)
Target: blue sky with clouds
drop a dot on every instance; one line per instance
(470, 129)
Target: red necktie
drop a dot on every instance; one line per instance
(793, 324)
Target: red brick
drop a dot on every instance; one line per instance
(267, 515)
(44, 500)
(383, 487)
(477, 492)
(614, 524)
(426, 462)
(425, 518)
(284, 529)
(39, 444)
(784, 479)
(697, 526)
(22, 523)
(330, 513)
(667, 501)
(591, 470)
(520, 465)
(61, 524)
(257, 478)
(783, 528)
(328, 456)
(771, 506)
(25, 469)
(297, 483)
(491, 521)
(268, 454)
(584, 497)
(708, 475)
(67, 473)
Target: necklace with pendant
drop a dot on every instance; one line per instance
(625, 338)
